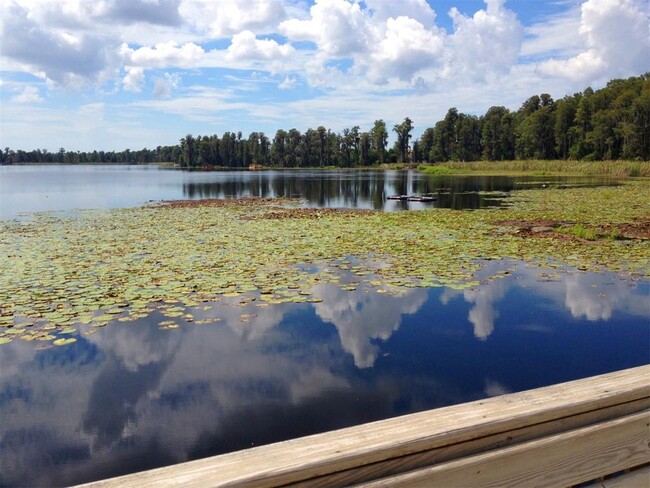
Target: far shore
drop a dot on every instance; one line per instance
(618, 169)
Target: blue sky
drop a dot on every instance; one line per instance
(116, 74)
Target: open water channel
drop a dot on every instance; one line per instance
(132, 397)
(25, 189)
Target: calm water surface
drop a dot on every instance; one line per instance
(42, 188)
(130, 396)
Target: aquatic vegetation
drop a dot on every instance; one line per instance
(439, 170)
(543, 167)
(580, 231)
(60, 273)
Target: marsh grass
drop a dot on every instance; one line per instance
(580, 231)
(620, 169)
(439, 170)
(590, 233)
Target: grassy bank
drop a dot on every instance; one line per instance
(619, 169)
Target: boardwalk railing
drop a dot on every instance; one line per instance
(559, 435)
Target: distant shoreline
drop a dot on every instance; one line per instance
(615, 168)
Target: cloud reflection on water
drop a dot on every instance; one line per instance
(361, 316)
(132, 396)
(584, 294)
(587, 297)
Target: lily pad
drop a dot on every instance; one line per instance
(278, 254)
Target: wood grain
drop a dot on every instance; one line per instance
(475, 446)
(564, 459)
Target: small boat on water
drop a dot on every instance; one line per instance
(397, 197)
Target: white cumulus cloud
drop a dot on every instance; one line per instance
(489, 41)
(382, 41)
(134, 79)
(616, 35)
(224, 18)
(419, 10)
(339, 28)
(245, 46)
(585, 66)
(407, 47)
(164, 54)
(64, 56)
(387, 41)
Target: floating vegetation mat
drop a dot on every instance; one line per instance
(60, 273)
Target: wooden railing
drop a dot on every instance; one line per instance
(559, 435)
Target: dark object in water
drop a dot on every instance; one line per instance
(412, 198)
(421, 198)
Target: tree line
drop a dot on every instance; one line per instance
(609, 123)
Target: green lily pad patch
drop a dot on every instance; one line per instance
(101, 267)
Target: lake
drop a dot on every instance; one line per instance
(151, 392)
(64, 188)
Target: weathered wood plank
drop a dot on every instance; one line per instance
(454, 451)
(323, 454)
(561, 460)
